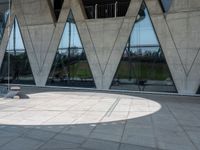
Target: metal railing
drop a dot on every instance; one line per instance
(111, 10)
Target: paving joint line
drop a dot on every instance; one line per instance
(188, 137)
(113, 106)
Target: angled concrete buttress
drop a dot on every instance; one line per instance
(120, 42)
(37, 25)
(79, 16)
(175, 32)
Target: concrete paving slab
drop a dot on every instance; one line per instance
(83, 120)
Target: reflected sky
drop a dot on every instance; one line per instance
(75, 39)
(143, 33)
(15, 40)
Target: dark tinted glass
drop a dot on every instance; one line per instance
(57, 7)
(143, 66)
(4, 12)
(166, 4)
(16, 60)
(106, 8)
(198, 92)
(70, 67)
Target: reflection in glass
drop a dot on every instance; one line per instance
(70, 67)
(198, 92)
(143, 66)
(166, 4)
(57, 4)
(20, 70)
(4, 12)
(105, 8)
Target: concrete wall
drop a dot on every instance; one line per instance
(104, 39)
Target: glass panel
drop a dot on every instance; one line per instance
(198, 92)
(166, 5)
(4, 12)
(20, 70)
(15, 41)
(105, 8)
(70, 67)
(57, 7)
(143, 66)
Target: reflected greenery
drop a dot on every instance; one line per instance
(16, 59)
(70, 67)
(143, 66)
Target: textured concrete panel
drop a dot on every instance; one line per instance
(194, 76)
(175, 41)
(104, 33)
(41, 37)
(36, 35)
(117, 51)
(91, 54)
(120, 43)
(79, 16)
(76, 9)
(169, 49)
(35, 12)
(186, 36)
(4, 42)
(154, 7)
(184, 5)
(133, 8)
(50, 55)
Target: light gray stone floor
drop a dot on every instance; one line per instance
(80, 120)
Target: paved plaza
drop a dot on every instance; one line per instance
(80, 120)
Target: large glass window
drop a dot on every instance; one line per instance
(4, 12)
(57, 5)
(105, 8)
(70, 67)
(198, 92)
(143, 66)
(15, 67)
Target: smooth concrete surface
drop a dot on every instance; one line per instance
(104, 39)
(81, 120)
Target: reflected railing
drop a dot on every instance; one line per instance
(117, 9)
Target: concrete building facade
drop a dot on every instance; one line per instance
(104, 39)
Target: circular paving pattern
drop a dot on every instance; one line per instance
(68, 108)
